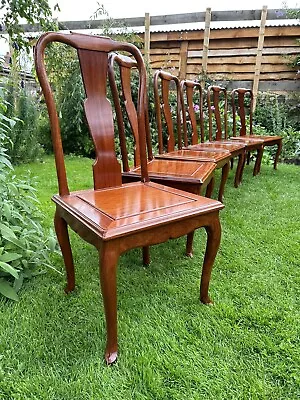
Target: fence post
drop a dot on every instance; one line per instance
(206, 43)
(147, 39)
(183, 59)
(260, 46)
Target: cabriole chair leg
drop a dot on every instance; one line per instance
(61, 229)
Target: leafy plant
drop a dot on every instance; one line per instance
(30, 10)
(276, 117)
(24, 108)
(24, 246)
(291, 146)
(64, 73)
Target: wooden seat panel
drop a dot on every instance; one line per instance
(178, 170)
(134, 207)
(219, 157)
(223, 145)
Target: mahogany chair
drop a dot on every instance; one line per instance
(239, 96)
(238, 100)
(112, 216)
(170, 140)
(192, 177)
(191, 92)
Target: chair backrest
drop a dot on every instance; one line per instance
(93, 53)
(192, 99)
(165, 116)
(217, 119)
(127, 108)
(239, 98)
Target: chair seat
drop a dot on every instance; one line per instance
(268, 139)
(132, 208)
(219, 145)
(220, 157)
(248, 139)
(225, 145)
(176, 170)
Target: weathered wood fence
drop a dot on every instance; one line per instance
(254, 57)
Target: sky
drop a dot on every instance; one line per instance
(83, 10)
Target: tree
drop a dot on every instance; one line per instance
(32, 11)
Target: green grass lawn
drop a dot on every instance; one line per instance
(247, 346)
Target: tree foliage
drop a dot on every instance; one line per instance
(14, 11)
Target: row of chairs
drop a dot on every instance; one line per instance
(181, 135)
(156, 200)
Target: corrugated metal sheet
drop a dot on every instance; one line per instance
(195, 26)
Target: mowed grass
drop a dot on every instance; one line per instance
(246, 346)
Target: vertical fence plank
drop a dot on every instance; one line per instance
(147, 38)
(183, 59)
(206, 42)
(260, 46)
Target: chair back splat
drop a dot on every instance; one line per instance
(93, 58)
(163, 111)
(244, 99)
(114, 216)
(240, 110)
(214, 112)
(192, 96)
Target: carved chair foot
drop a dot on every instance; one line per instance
(61, 229)
(207, 301)
(189, 254)
(111, 358)
(69, 288)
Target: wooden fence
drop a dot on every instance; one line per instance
(232, 56)
(253, 57)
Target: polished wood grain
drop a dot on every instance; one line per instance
(193, 178)
(246, 135)
(192, 95)
(113, 216)
(171, 141)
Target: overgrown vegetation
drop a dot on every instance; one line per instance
(280, 116)
(24, 246)
(24, 107)
(12, 11)
(64, 73)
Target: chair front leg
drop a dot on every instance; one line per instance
(61, 229)
(225, 172)
(210, 187)
(248, 157)
(239, 170)
(189, 244)
(146, 255)
(213, 231)
(279, 147)
(108, 256)
(257, 165)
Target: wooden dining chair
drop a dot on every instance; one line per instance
(112, 216)
(192, 177)
(192, 95)
(171, 143)
(241, 97)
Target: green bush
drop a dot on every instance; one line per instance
(23, 107)
(291, 146)
(279, 117)
(24, 246)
